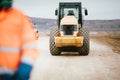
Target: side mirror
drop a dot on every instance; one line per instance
(86, 12)
(56, 12)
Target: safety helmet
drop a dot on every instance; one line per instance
(5, 4)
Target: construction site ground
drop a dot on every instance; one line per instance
(102, 63)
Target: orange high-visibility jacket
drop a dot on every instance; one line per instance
(17, 41)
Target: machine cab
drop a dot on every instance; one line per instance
(68, 8)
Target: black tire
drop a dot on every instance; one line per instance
(84, 50)
(53, 49)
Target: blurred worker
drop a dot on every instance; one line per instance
(17, 43)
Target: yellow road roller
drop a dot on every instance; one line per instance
(69, 36)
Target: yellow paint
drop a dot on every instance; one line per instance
(69, 20)
(69, 41)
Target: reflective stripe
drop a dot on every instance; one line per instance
(29, 45)
(9, 49)
(27, 60)
(4, 70)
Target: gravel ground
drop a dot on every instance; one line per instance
(103, 63)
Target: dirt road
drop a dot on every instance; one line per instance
(101, 64)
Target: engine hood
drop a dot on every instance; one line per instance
(69, 20)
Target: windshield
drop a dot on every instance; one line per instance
(65, 12)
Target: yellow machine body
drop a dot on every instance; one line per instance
(69, 41)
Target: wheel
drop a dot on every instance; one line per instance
(53, 49)
(84, 50)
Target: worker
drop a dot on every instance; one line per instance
(17, 43)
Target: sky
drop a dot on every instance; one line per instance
(97, 9)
